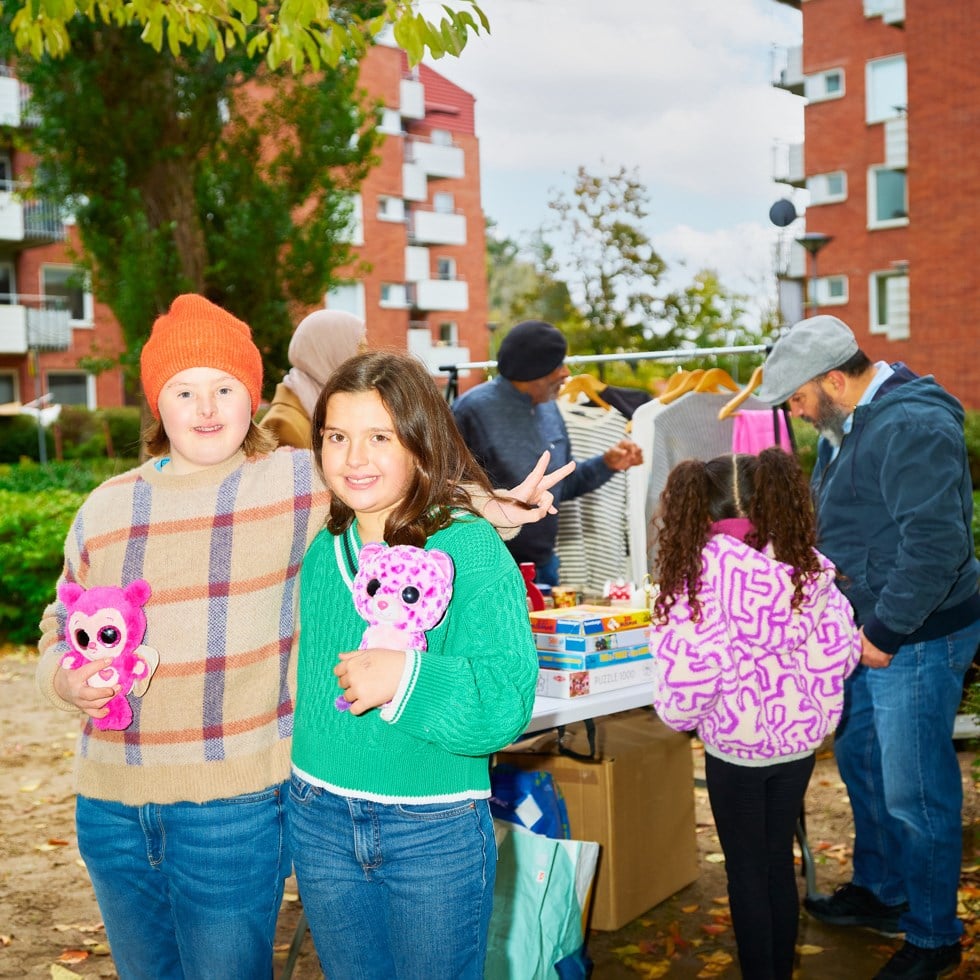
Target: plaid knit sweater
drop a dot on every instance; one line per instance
(221, 549)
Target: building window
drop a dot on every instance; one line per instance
(8, 387)
(8, 288)
(886, 93)
(391, 122)
(441, 137)
(831, 290)
(349, 298)
(391, 208)
(394, 295)
(446, 269)
(6, 173)
(888, 203)
(70, 388)
(827, 188)
(888, 304)
(824, 85)
(67, 285)
(448, 334)
(443, 203)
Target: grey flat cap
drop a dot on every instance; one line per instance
(810, 348)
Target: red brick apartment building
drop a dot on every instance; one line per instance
(419, 227)
(892, 166)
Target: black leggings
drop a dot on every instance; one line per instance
(755, 810)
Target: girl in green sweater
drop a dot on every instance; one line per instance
(388, 810)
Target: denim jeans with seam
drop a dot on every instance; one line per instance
(393, 890)
(188, 891)
(756, 809)
(895, 752)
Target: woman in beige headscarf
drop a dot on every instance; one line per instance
(321, 343)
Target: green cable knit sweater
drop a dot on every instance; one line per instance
(470, 693)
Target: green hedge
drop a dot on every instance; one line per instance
(83, 434)
(32, 541)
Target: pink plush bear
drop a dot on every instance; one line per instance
(108, 621)
(402, 592)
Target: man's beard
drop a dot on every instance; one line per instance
(829, 418)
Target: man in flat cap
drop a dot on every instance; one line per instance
(509, 421)
(892, 492)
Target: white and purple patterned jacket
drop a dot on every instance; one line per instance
(760, 681)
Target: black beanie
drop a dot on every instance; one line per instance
(531, 350)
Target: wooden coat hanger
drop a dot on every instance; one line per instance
(730, 407)
(585, 384)
(686, 381)
(715, 378)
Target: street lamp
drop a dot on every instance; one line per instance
(813, 241)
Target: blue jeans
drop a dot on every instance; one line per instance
(391, 890)
(895, 752)
(756, 809)
(547, 572)
(188, 890)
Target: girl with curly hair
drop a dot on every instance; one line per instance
(752, 641)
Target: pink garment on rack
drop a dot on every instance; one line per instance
(754, 431)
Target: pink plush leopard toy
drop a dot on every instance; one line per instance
(401, 592)
(107, 621)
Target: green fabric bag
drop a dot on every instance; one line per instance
(540, 903)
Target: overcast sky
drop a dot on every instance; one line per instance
(678, 89)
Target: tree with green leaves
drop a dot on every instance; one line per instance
(523, 283)
(304, 35)
(615, 268)
(186, 173)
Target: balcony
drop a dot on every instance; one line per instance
(436, 228)
(415, 187)
(435, 159)
(890, 11)
(897, 142)
(33, 323)
(411, 98)
(788, 69)
(436, 356)
(787, 165)
(443, 295)
(30, 222)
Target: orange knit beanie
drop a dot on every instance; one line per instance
(195, 332)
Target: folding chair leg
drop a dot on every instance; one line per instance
(808, 869)
(294, 947)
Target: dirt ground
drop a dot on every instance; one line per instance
(50, 925)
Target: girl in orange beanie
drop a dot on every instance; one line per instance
(179, 816)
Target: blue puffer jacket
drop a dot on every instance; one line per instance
(894, 510)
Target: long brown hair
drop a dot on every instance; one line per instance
(425, 426)
(769, 489)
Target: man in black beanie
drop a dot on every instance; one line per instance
(509, 421)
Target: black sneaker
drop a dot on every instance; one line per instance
(917, 963)
(852, 905)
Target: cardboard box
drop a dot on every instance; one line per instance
(596, 643)
(578, 683)
(637, 802)
(557, 660)
(586, 619)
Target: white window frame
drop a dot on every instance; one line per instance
(820, 190)
(14, 385)
(391, 208)
(873, 113)
(448, 334)
(89, 379)
(897, 329)
(348, 297)
(393, 296)
(444, 202)
(9, 297)
(447, 265)
(88, 302)
(832, 290)
(873, 220)
(441, 137)
(816, 89)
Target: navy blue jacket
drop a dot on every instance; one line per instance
(507, 433)
(894, 511)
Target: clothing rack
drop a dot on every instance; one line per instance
(677, 354)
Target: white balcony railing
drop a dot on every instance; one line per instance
(436, 159)
(449, 295)
(437, 228)
(33, 323)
